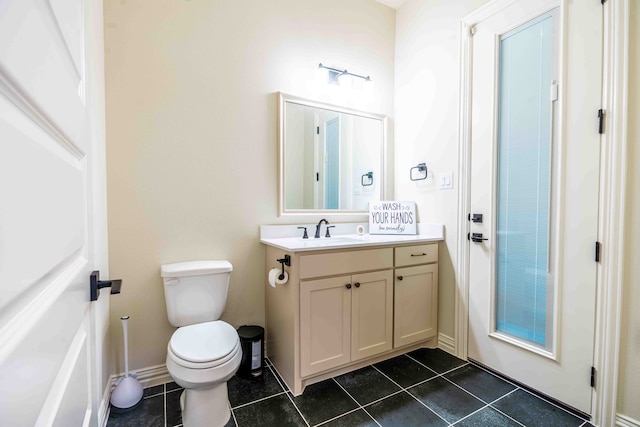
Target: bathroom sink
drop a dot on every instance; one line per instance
(336, 240)
(297, 243)
(289, 237)
(328, 241)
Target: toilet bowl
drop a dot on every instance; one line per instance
(204, 352)
(201, 358)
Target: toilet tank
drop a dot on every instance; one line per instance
(195, 291)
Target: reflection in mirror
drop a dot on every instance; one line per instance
(331, 158)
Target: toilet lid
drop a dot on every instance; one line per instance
(204, 342)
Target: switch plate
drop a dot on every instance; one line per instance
(445, 181)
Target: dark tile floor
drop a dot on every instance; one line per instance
(422, 388)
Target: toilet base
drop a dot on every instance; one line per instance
(205, 407)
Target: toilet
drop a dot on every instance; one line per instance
(204, 352)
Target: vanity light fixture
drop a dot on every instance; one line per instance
(334, 74)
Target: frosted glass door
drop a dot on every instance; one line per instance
(524, 306)
(534, 89)
(332, 165)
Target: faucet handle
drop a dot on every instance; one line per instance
(305, 235)
(328, 227)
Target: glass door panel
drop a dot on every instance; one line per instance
(523, 293)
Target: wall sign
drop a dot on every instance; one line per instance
(392, 218)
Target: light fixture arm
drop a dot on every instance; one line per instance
(335, 73)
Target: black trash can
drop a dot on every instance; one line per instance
(252, 343)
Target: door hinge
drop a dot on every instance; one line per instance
(600, 121)
(317, 130)
(598, 251)
(317, 176)
(593, 376)
(603, 1)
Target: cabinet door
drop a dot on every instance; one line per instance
(325, 324)
(371, 314)
(416, 304)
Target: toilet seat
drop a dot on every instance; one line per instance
(203, 345)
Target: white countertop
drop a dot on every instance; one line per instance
(289, 237)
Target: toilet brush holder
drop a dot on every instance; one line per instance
(128, 392)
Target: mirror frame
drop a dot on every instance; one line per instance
(282, 100)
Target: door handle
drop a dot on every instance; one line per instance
(400, 277)
(95, 284)
(348, 286)
(477, 238)
(357, 284)
(475, 218)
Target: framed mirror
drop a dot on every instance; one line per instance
(331, 159)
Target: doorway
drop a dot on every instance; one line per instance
(533, 193)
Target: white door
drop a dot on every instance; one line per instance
(534, 179)
(52, 220)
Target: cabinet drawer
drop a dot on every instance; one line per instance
(335, 263)
(417, 254)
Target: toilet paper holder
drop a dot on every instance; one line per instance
(284, 261)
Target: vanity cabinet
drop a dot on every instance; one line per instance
(344, 319)
(415, 294)
(343, 309)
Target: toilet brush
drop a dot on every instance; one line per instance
(128, 392)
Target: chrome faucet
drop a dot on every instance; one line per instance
(317, 235)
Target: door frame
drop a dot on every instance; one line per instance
(611, 196)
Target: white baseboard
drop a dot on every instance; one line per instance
(624, 421)
(148, 377)
(104, 408)
(447, 343)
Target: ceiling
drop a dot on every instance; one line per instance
(395, 4)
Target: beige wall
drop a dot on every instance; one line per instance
(629, 377)
(426, 123)
(192, 136)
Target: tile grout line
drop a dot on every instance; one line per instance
(164, 401)
(553, 404)
(438, 374)
(262, 399)
(477, 397)
(233, 415)
(468, 415)
(423, 404)
(503, 413)
(358, 403)
(276, 375)
(425, 366)
(414, 397)
(298, 409)
(286, 391)
(532, 394)
(336, 417)
(494, 375)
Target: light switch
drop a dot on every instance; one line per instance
(446, 181)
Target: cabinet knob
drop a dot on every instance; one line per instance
(348, 285)
(400, 277)
(357, 284)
